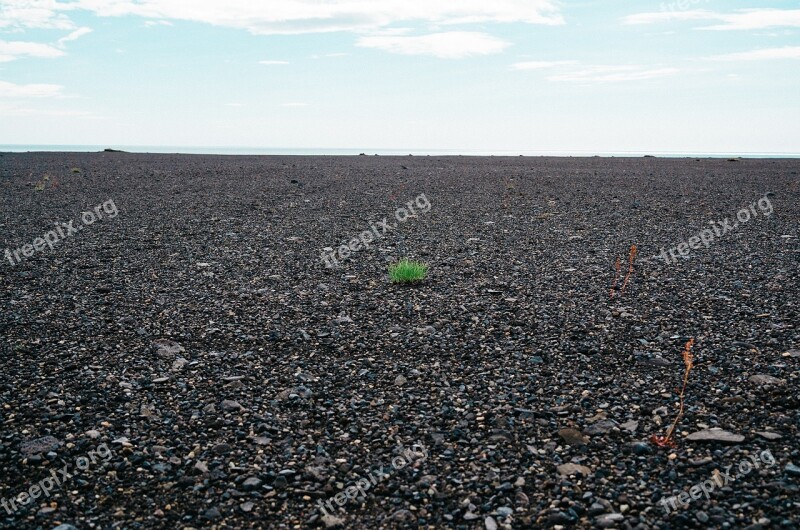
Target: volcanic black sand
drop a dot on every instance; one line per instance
(188, 360)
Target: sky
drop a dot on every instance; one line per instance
(544, 76)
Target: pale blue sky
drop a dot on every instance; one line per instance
(683, 76)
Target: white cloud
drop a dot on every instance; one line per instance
(296, 104)
(667, 16)
(11, 90)
(787, 52)
(743, 19)
(613, 74)
(759, 19)
(289, 16)
(151, 23)
(273, 62)
(42, 14)
(447, 45)
(540, 65)
(10, 50)
(77, 34)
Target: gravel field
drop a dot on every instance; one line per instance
(182, 357)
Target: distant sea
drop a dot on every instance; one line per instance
(356, 151)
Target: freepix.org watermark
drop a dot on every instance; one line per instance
(62, 231)
(717, 480)
(718, 229)
(56, 479)
(362, 485)
(376, 231)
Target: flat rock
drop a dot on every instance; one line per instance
(601, 427)
(715, 435)
(768, 435)
(166, 348)
(231, 405)
(568, 469)
(607, 520)
(766, 380)
(331, 521)
(573, 436)
(630, 425)
(39, 445)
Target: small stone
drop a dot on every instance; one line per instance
(792, 469)
(490, 523)
(601, 427)
(403, 516)
(221, 448)
(766, 380)
(504, 511)
(641, 448)
(630, 425)
(212, 514)
(769, 435)
(93, 434)
(247, 507)
(167, 348)
(715, 435)
(39, 445)
(702, 516)
(573, 437)
(568, 469)
(331, 521)
(65, 527)
(231, 405)
(609, 519)
(283, 395)
(251, 483)
(179, 364)
(400, 380)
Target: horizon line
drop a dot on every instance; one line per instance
(352, 151)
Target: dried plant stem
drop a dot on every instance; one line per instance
(631, 259)
(688, 360)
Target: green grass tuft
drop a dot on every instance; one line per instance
(406, 271)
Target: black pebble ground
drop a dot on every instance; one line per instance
(238, 382)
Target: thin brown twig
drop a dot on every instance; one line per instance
(631, 259)
(688, 360)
